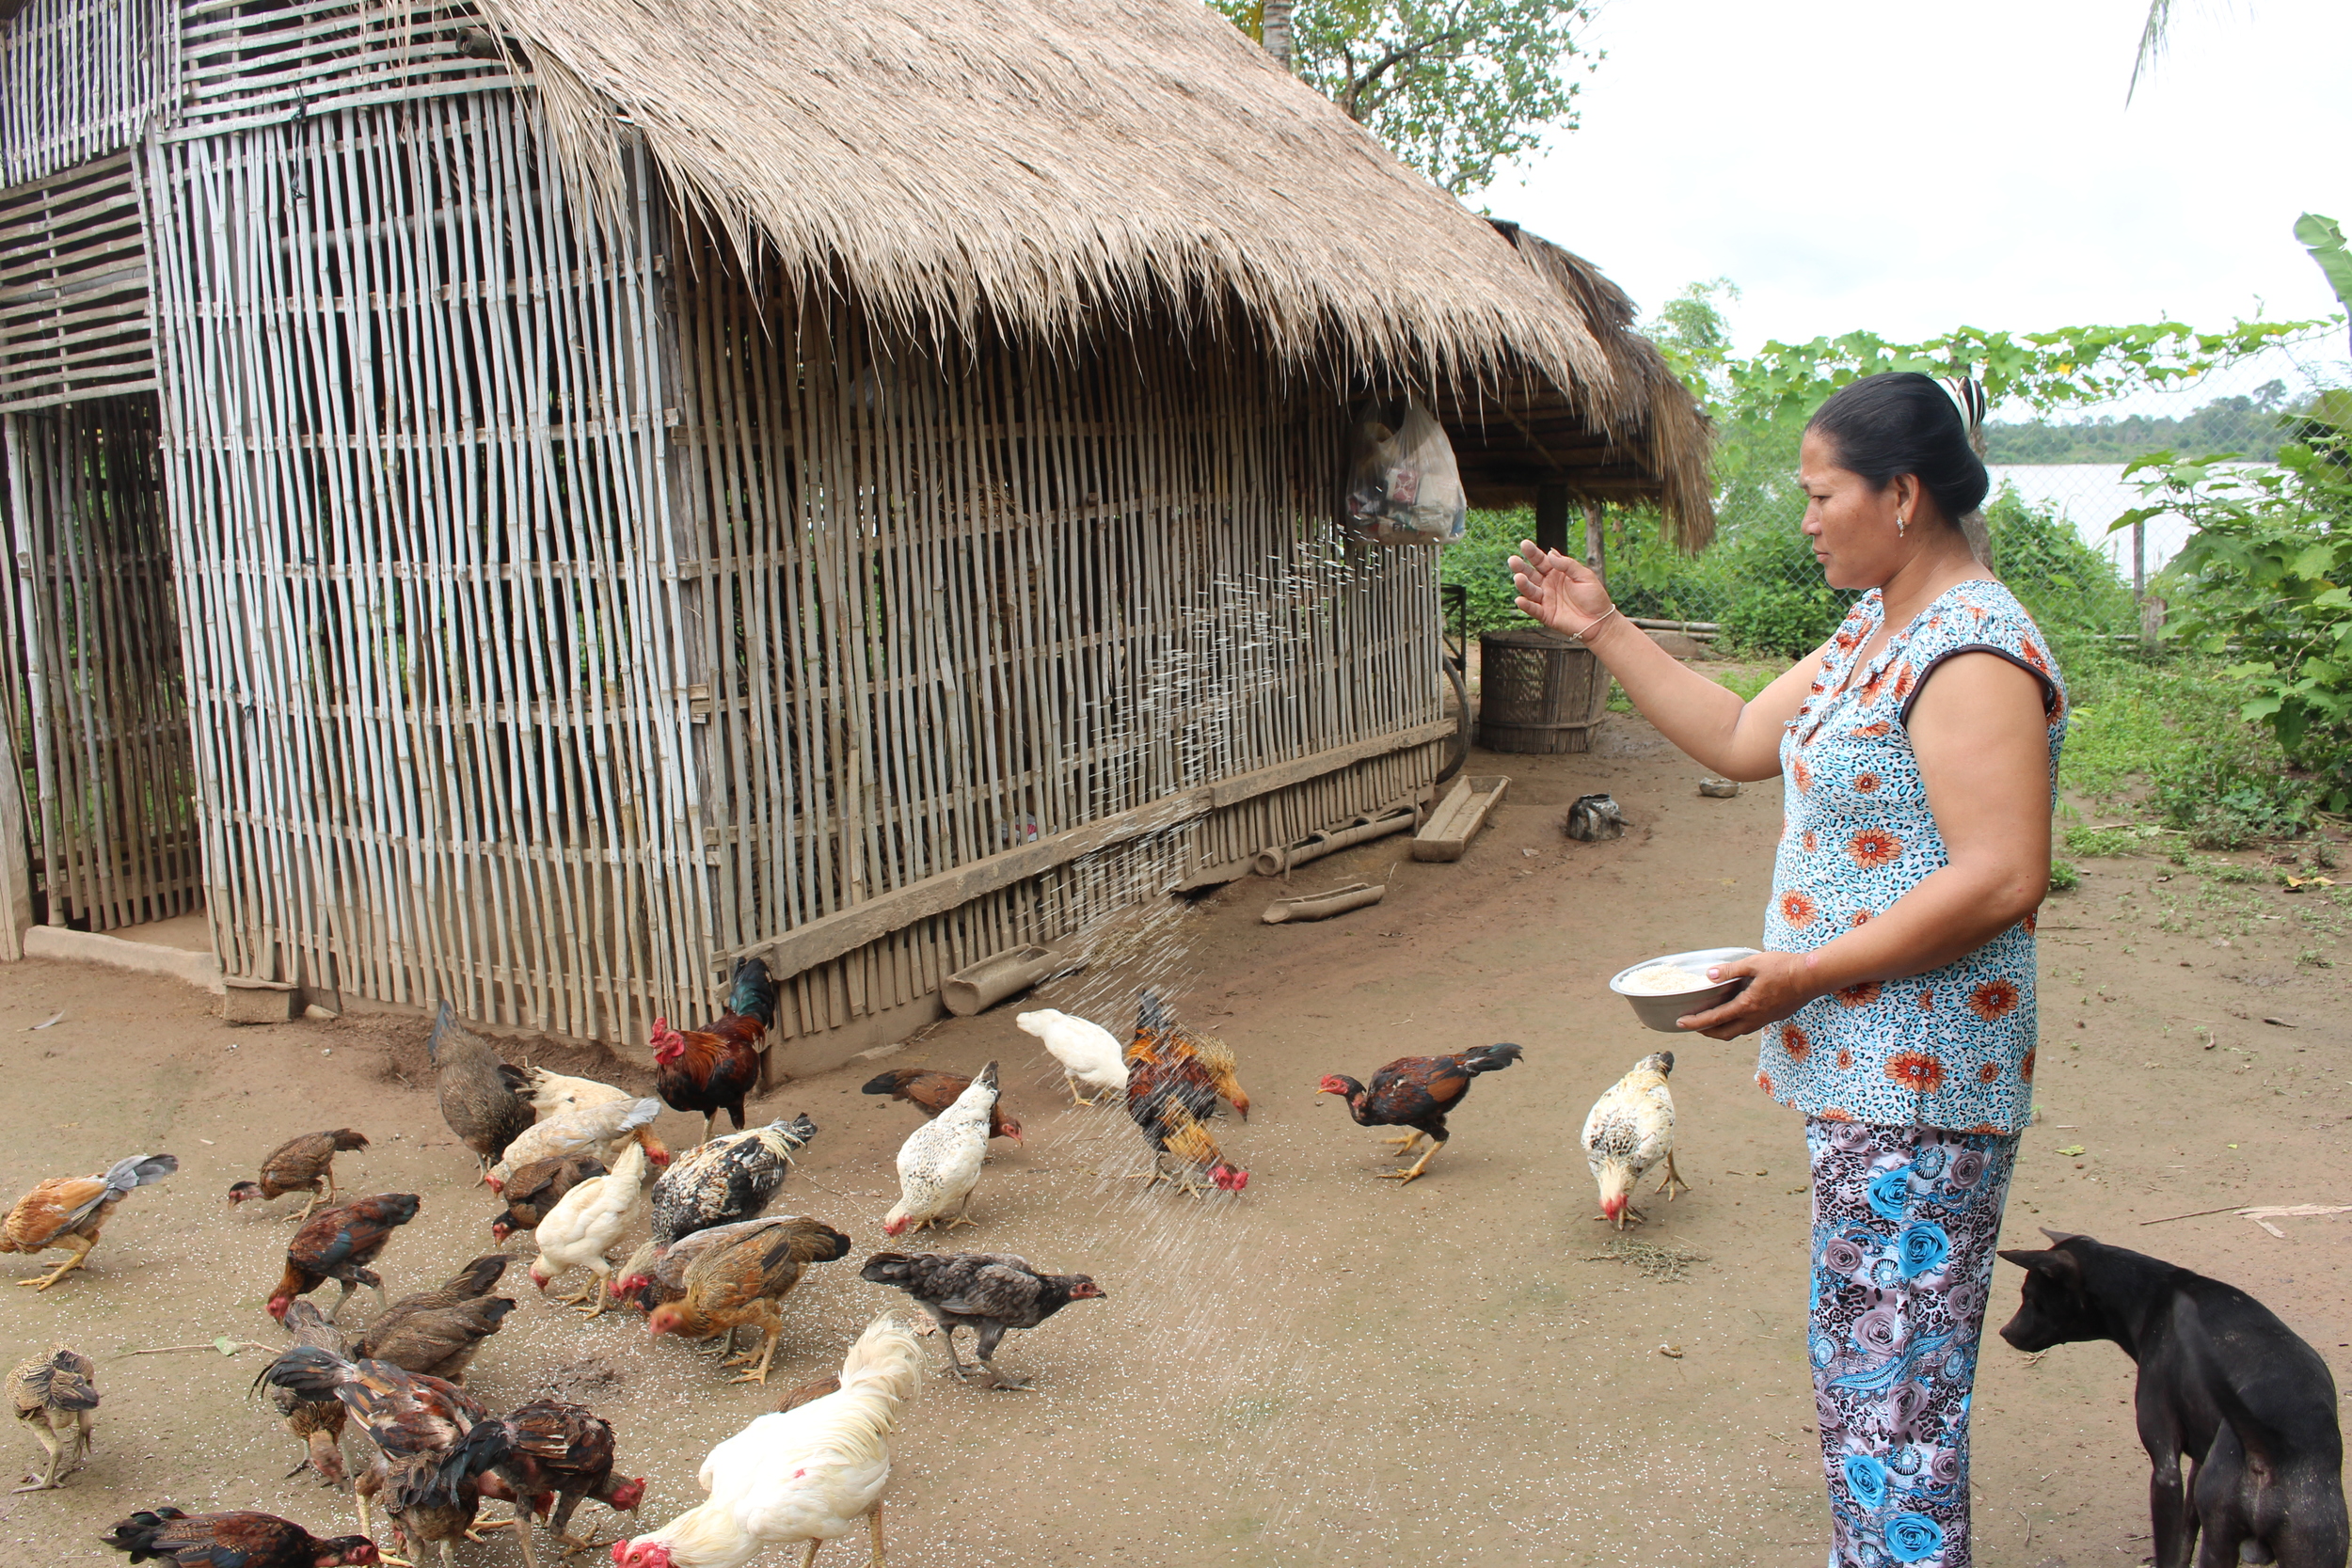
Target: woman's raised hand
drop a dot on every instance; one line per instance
(1558, 590)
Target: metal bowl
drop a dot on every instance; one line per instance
(1659, 1012)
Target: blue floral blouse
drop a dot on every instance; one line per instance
(1952, 1048)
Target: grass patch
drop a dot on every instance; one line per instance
(2099, 844)
(2063, 877)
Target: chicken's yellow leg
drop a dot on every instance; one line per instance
(1413, 1171)
(81, 1245)
(810, 1556)
(873, 1523)
(759, 1374)
(43, 1484)
(1674, 1178)
(1404, 1143)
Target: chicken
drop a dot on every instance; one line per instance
(1631, 1127)
(933, 1092)
(1173, 1107)
(300, 1164)
(53, 1394)
(1201, 1058)
(988, 1293)
(1416, 1093)
(1089, 1054)
(317, 1424)
(726, 1178)
(793, 1399)
(656, 1275)
(806, 1475)
(476, 1101)
(711, 1069)
(598, 1132)
(475, 1280)
(428, 1505)
(537, 1187)
(407, 1415)
(69, 1211)
(551, 1094)
(239, 1539)
(581, 1229)
(939, 1165)
(739, 1281)
(550, 1450)
(440, 1339)
(339, 1244)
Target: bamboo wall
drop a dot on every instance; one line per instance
(967, 597)
(81, 78)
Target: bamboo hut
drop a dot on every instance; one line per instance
(528, 500)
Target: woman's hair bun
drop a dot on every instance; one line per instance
(1902, 422)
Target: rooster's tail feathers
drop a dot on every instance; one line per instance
(884, 1360)
(886, 1082)
(643, 1114)
(1152, 1014)
(888, 1268)
(755, 993)
(1491, 1058)
(139, 1170)
(309, 1372)
(345, 1139)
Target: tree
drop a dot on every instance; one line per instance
(1452, 86)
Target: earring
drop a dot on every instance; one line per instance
(1899, 525)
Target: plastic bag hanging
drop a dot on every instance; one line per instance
(1403, 486)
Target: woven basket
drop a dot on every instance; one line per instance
(1539, 692)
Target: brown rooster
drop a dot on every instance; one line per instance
(1416, 1093)
(539, 1186)
(339, 1244)
(1178, 1051)
(317, 1424)
(69, 1211)
(476, 1099)
(411, 1416)
(238, 1540)
(741, 1282)
(550, 1452)
(306, 1164)
(931, 1092)
(711, 1069)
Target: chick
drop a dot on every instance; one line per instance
(53, 1394)
(581, 1229)
(939, 1165)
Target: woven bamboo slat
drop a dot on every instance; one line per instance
(248, 64)
(80, 79)
(73, 286)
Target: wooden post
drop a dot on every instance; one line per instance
(1596, 541)
(1552, 517)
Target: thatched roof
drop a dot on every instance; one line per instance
(1040, 165)
(1038, 162)
(1636, 434)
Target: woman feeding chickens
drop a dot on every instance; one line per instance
(1920, 746)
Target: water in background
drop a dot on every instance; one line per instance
(2091, 496)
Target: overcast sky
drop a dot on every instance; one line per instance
(1908, 168)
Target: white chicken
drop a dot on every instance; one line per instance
(939, 1165)
(808, 1474)
(1630, 1130)
(553, 1094)
(599, 1132)
(1089, 1054)
(584, 1224)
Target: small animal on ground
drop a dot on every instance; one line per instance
(53, 1394)
(1089, 1054)
(939, 1165)
(69, 1211)
(931, 1092)
(711, 1069)
(244, 1539)
(339, 1244)
(1417, 1093)
(477, 1099)
(988, 1293)
(306, 1164)
(1629, 1131)
(2221, 1380)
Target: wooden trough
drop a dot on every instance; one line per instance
(1459, 817)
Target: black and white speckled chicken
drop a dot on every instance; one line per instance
(1632, 1129)
(726, 1178)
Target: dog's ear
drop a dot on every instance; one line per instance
(2060, 1237)
(2059, 1267)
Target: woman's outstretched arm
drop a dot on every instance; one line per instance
(1739, 740)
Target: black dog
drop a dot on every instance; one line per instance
(2222, 1381)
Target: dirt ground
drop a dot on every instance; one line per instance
(1326, 1367)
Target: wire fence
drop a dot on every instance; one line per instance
(2059, 488)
